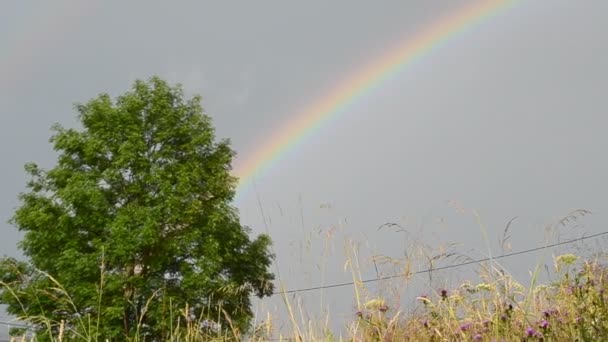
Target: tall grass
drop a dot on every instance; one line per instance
(570, 305)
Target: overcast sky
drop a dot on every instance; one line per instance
(506, 119)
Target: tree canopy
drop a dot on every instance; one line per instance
(135, 224)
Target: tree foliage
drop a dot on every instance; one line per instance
(134, 223)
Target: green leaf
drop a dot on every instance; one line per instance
(146, 189)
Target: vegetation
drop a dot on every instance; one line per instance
(133, 224)
(574, 307)
(131, 237)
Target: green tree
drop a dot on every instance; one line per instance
(135, 223)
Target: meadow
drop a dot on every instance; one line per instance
(569, 303)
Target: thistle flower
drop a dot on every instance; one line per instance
(465, 326)
(550, 313)
(530, 332)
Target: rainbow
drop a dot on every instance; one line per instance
(312, 118)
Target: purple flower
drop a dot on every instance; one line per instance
(549, 312)
(383, 308)
(444, 293)
(466, 326)
(477, 337)
(530, 332)
(544, 324)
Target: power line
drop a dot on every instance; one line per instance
(471, 262)
(16, 325)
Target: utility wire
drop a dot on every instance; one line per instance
(16, 325)
(471, 262)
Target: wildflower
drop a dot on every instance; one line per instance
(383, 308)
(544, 324)
(530, 332)
(477, 337)
(465, 326)
(359, 313)
(444, 294)
(550, 312)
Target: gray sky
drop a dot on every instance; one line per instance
(504, 120)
